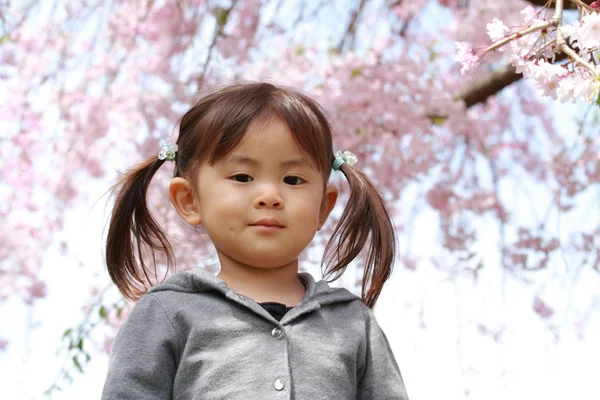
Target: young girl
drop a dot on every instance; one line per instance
(251, 167)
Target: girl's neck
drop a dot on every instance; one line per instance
(280, 284)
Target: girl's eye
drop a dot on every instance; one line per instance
(293, 180)
(244, 178)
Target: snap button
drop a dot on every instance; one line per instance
(239, 296)
(276, 332)
(279, 384)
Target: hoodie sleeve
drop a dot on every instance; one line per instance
(145, 355)
(380, 376)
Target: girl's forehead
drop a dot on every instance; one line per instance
(272, 140)
(245, 156)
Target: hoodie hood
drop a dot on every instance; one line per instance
(197, 280)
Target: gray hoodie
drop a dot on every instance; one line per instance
(192, 337)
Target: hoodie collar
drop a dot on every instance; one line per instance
(197, 280)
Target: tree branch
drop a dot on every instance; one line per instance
(492, 84)
(351, 30)
(488, 86)
(570, 5)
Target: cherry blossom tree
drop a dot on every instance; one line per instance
(90, 85)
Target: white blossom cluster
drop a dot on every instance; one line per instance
(533, 48)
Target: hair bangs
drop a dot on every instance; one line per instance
(229, 113)
(308, 125)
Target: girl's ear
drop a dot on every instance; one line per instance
(329, 199)
(182, 198)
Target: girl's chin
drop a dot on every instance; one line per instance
(261, 259)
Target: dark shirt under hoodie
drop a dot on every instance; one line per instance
(277, 310)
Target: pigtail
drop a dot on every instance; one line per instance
(365, 215)
(133, 229)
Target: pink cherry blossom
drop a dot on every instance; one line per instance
(530, 16)
(574, 87)
(588, 35)
(439, 198)
(464, 55)
(497, 30)
(540, 307)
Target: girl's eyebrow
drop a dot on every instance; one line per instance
(241, 160)
(299, 162)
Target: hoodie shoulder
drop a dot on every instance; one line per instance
(323, 293)
(193, 281)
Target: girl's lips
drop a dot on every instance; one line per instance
(267, 223)
(267, 227)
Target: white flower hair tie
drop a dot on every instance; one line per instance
(168, 151)
(343, 157)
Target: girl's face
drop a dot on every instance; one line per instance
(262, 203)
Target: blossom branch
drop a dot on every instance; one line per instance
(579, 3)
(564, 47)
(530, 54)
(561, 43)
(558, 10)
(572, 3)
(519, 34)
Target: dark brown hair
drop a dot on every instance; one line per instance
(209, 131)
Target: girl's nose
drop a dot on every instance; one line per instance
(269, 197)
